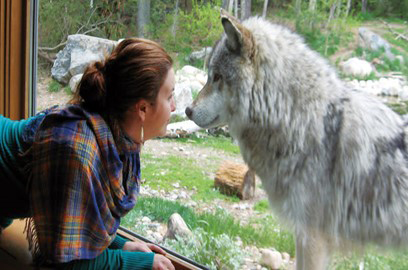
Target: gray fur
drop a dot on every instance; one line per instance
(333, 161)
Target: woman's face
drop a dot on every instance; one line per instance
(158, 117)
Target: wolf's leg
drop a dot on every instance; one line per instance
(312, 251)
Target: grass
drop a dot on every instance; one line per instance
(219, 143)
(162, 172)
(385, 64)
(373, 260)
(54, 86)
(263, 232)
(400, 108)
(262, 206)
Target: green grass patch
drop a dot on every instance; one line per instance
(400, 108)
(162, 172)
(54, 86)
(373, 260)
(219, 143)
(177, 118)
(262, 206)
(264, 232)
(384, 64)
(397, 42)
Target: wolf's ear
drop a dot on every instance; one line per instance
(238, 37)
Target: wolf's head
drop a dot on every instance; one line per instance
(230, 71)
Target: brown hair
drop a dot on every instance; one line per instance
(135, 70)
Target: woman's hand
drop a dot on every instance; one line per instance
(159, 262)
(143, 247)
(162, 263)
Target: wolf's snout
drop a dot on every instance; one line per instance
(189, 112)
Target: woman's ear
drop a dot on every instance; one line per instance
(141, 109)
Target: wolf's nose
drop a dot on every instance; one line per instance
(189, 112)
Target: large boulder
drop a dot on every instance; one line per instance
(189, 80)
(202, 54)
(79, 51)
(356, 67)
(374, 42)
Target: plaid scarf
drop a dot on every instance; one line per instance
(82, 183)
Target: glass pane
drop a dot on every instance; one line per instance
(177, 175)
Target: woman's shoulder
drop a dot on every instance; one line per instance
(68, 123)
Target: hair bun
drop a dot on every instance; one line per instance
(92, 87)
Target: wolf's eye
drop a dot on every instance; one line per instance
(217, 77)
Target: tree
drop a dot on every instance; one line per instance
(298, 5)
(364, 6)
(265, 8)
(348, 7)
(143, 16)
(245, 9)
(312, 5)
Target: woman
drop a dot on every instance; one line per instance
(75, 170)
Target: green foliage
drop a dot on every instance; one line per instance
(177, 118)
(262, 206)
(400, 108)
(384, 63)
(324, 37)
(54, 86)
(264, 232)
(220, 143)
(106, 19)
(162, 172)
(195, 94)
(373, 260)
(191, 31)
(214, 251)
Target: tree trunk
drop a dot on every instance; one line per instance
(312, 5)
(175, 19)
(231, 6)
(265, 9)
(348, 7)
(186, 5)
(298, 6)
(339, 4)
(143, 16)
(364, 6)
(235, 179)
(236, 8)
(225, 4)
(245, 9)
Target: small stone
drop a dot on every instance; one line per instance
(271, 259)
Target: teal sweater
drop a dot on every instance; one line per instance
(13, 137)
(114, 258)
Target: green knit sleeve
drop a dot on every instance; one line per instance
(118, 242)
(114, 259)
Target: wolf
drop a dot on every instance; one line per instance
(333, 161)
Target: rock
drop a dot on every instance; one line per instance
(374, 42)
(403, 95)
(79, 51)
(271, 258)
(203, 54)
(400, 59)
(177, 227)
(285, 257)
(74, 81)
(189, 73)
(182, 97)
(181, 129)
(356, 67)
(146, 220)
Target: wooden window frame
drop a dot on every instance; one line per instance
(18, 59)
